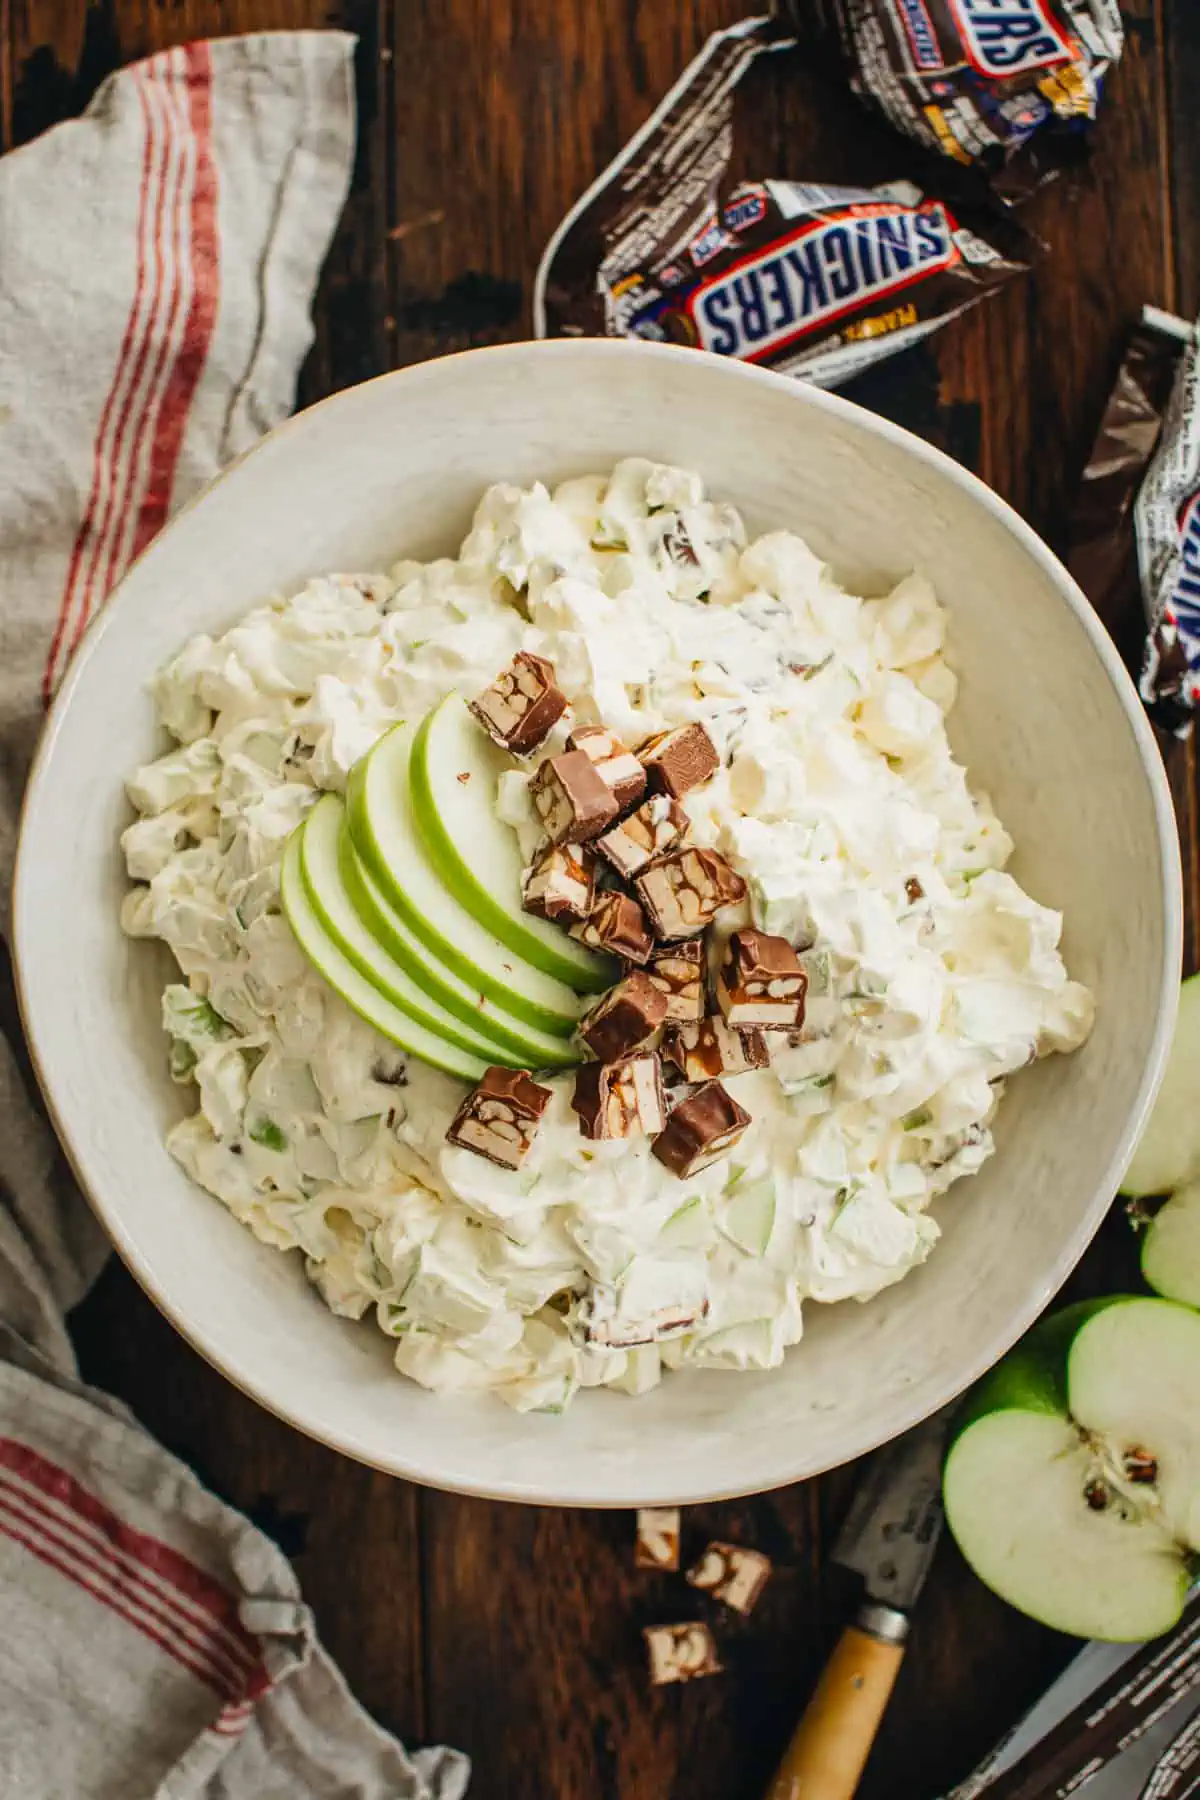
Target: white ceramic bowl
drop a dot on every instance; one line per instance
(1047, 722)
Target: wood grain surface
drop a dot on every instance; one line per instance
(513, 1632)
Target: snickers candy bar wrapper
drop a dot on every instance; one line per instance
(814, 281)
(1134, 530)
(1002, 85)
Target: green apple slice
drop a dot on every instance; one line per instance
(1168, 1153)
(1171, 1248)
(337, 969)
(389, 846)
(455, 768)
(1072, 1486)
(401, 968)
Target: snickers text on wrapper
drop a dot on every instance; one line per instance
(815, 281)
(1002, 84)
(1168, 543)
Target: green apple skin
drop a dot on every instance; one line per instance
(1171, 1248)
(394, 855)
(386, 1018)
(428, 994)
(1168, 1153)
(457, 821)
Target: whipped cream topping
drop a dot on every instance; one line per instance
(932, 975)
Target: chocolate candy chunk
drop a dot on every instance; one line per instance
(560, 883)
(678, 761)
(680, 1653)
(684, 892)
(761, 982)
(499, 1118)
(522, 705)
(619, 1099)
(657, 826)
(573, 802)
(678, 971)
(731, 1574)
(616, 924)
(657, 1543)
(625, 1019)
(710, 1048)
(605, 1325)
(617, 767)
(701, 1128)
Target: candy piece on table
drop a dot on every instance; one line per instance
(678, 761)
(657, 826)
(572, 801)
(678, 971)
(522, 705)
(680, 1653)
(617, 767)
(701, 1128)
(620, 1099)
(499, 1118)
(626, 1018)
(617, 924)
(731, 1574)
(761, 982)
(704, 1049)
(560, 883)
(684, 892)
(657, 1542)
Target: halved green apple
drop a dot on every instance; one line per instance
(400, 966)
(389, 846)
(1072, 1486)
(358, 993)
(454, 772)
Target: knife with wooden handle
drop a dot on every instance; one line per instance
(889, 1538)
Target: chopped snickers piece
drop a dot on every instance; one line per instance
(732, 1574)
(523, 704)
(608, 1328)
(680, 1653)
(619, 1099)
(701, 1128)
(617, 767)
(710, 1048)
(657, 826)
(572, 801)
(617, 924)
(678, 971)
(626, 1018)
(657, 1544)
(560, 883)
(678, 761)
(762, 982)
(684, 892)
(499, 1118)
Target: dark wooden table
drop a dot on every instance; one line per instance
(510, 1631)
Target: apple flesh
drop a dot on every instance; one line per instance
(1168, 1153)
(454, 772)
(390, 1020)
(1072, 1486)
(387, 843)
(402, 969)
(1171, 1248)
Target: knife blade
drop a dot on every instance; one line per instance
(889, 1538)
(892, 1529)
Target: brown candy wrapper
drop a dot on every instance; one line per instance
(1004, 86)
(1135, 526)
(815, 281)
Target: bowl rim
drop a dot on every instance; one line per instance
(946, 1388)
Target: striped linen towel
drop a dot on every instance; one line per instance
(157, 262)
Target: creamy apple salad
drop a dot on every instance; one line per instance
(868, 978)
